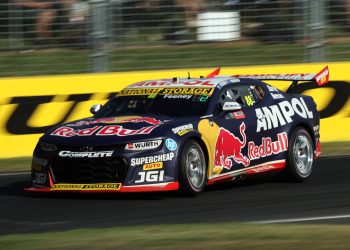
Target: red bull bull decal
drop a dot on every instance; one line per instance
(268, 147)
(229, 147)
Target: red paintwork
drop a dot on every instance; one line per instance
(318, 149)
(124, 189)
(266, 167)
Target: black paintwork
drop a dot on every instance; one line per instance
(164, 131)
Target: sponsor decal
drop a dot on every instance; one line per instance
(140, 91)
(268, 147)
(39, 161)
(151, 166)
(181, 130)
(39, 178)
(145, 145)
(100, 154)
(188, 91)
(206, 116)
(229, 147)
(277, 96)
(110, 120)
(170, 144)
(77, 187)
(299, 77)
(316, 130)
(238, 115)
(224, 83)
(176, 92)
(150, 176)
(262, 169)
(168, 82)
(110, 130)
(178, 96)
(231, 106)
(272, 89)
(281, 114)
(152, 159)
(323, 77)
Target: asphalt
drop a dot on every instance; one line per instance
(326, 193)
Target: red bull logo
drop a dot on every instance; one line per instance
(148, 120)
(268, 147)
(229, 147)
(111, 120)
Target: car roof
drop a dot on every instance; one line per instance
(184, 82)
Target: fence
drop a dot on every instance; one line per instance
(76, 36)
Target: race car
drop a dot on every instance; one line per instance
(183, 134)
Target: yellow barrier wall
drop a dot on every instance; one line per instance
(29, 105)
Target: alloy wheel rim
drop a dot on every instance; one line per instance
(195, 168)
(303, 155)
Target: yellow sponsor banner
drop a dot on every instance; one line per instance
(151, 166)
(86, 187)
(31, 105)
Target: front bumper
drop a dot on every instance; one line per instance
(168, 186)
(101, 187)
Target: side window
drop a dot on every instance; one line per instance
(245, 95)
(250, 94)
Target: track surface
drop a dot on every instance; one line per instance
(327, 193)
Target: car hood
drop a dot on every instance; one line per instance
(112, 130)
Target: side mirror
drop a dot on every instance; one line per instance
(231, 106)
(95, 108)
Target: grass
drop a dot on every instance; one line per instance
(198, 236)
(23, 163)
(63, 61)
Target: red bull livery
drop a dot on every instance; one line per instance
(184, 134)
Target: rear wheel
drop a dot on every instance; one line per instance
(300, 156)
(193, 169)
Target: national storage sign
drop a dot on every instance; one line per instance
(31, 105)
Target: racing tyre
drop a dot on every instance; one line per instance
(192, 169)
(300, 157)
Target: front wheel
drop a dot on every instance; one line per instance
(300, 156)
(192, 169)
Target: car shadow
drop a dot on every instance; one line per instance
(17, 189)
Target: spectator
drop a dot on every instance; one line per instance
(45, 12)
(347, 7)
(192, 8)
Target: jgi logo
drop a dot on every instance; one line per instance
(151, 176)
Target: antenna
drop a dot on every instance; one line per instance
(189, 75)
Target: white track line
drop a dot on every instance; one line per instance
(302, 219)
(13, 174)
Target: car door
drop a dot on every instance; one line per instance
(236, 127)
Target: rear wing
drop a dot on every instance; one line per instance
(320, 78)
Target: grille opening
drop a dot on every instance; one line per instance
(89, 170)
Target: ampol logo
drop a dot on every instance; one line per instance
(171, 144)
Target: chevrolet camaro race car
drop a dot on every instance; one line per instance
(183, 134)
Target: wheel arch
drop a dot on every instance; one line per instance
(201, 143)
(308, 128)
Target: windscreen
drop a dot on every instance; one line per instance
(177, 102)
